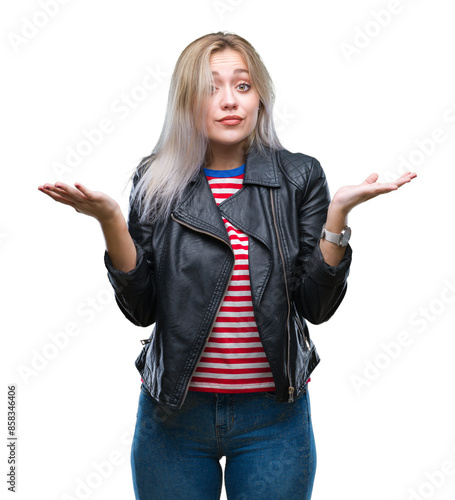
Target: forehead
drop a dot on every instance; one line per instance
(227, 61)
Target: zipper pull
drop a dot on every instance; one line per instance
(146, 341)
(291, 394)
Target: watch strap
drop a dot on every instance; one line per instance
(333, 237)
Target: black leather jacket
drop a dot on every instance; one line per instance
(184, 267)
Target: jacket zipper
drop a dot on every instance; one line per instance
(219, 306)
(303, 332)
(291, 389)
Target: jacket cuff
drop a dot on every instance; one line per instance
(324, 274)
(132, 282)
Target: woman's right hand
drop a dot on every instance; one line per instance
(83, 200)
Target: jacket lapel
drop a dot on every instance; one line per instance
(249, 209)
(199, 209)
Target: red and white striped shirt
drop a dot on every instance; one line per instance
(233, 359)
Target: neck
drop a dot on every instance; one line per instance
(226, 156)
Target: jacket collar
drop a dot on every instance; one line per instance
(261, 168)
(198, 208)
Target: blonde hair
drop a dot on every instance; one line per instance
(183, 146)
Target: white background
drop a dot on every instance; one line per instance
(357, 114)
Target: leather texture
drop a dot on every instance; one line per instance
(184, 266)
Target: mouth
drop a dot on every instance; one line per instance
(231, 120)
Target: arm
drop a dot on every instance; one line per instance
(324, 266)
(323, 270)
(129, 265)
(336, 221)
(119, 244)
(128, 260)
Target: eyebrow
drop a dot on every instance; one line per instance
(238, 70)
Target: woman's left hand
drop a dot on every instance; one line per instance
(347, 197)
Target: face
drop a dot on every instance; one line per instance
(233, 95)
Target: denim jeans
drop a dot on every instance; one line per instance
(269, 447)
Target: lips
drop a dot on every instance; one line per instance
(231, 118)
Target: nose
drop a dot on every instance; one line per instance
(228, 99)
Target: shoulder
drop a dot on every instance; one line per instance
(300, 169)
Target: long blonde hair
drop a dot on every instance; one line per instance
(183, 146)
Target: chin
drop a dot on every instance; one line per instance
(229, 138)
(228, 142)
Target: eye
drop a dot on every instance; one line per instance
(245, 85)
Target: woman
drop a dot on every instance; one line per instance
(232, 244)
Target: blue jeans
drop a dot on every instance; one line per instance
(269, 448)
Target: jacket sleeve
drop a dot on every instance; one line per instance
(135, 290)
(320, 287)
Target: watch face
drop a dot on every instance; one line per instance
(346, 236)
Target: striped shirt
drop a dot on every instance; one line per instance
(233, 359)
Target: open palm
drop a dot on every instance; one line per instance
(347, 197)
(83, 200)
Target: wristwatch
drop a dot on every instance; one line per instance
(341, 239)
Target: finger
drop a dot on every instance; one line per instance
(382, 189)
(85, 191)
(48, 184)
(386, 188)
(371, 179)
(404, 179)
(57, 197)
(70, 191)
(50, 188)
